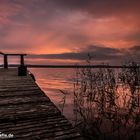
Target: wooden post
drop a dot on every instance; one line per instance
(22, 69)
(22, 60)
(5, 61)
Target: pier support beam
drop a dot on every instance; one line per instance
(22, 60)
(5, 61)
(22, 69)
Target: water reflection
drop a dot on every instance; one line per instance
(52, 81)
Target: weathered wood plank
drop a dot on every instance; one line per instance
(18, 89)
(21, 100)
(35, 92)
(30, 122)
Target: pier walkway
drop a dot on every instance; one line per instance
(27, 113)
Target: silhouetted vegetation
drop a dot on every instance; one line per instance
(107, 102)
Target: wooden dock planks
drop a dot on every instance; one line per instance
(27, 113)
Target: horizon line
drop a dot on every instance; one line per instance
(73, 66)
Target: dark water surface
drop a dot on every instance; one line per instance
(51, 81)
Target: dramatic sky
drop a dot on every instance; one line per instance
(65, 31)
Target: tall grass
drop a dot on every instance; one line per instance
(107, 102)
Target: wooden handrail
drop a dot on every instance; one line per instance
(15, 54)
(2, 53)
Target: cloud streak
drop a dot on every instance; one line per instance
(98, 54)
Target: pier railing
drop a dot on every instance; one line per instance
(5, 58)
(22, 69)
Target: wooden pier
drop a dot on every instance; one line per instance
(27, 113)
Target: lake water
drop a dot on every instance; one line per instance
(51, 81)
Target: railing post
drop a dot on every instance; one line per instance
(5, 61)
(22, 60)
(22, 69)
